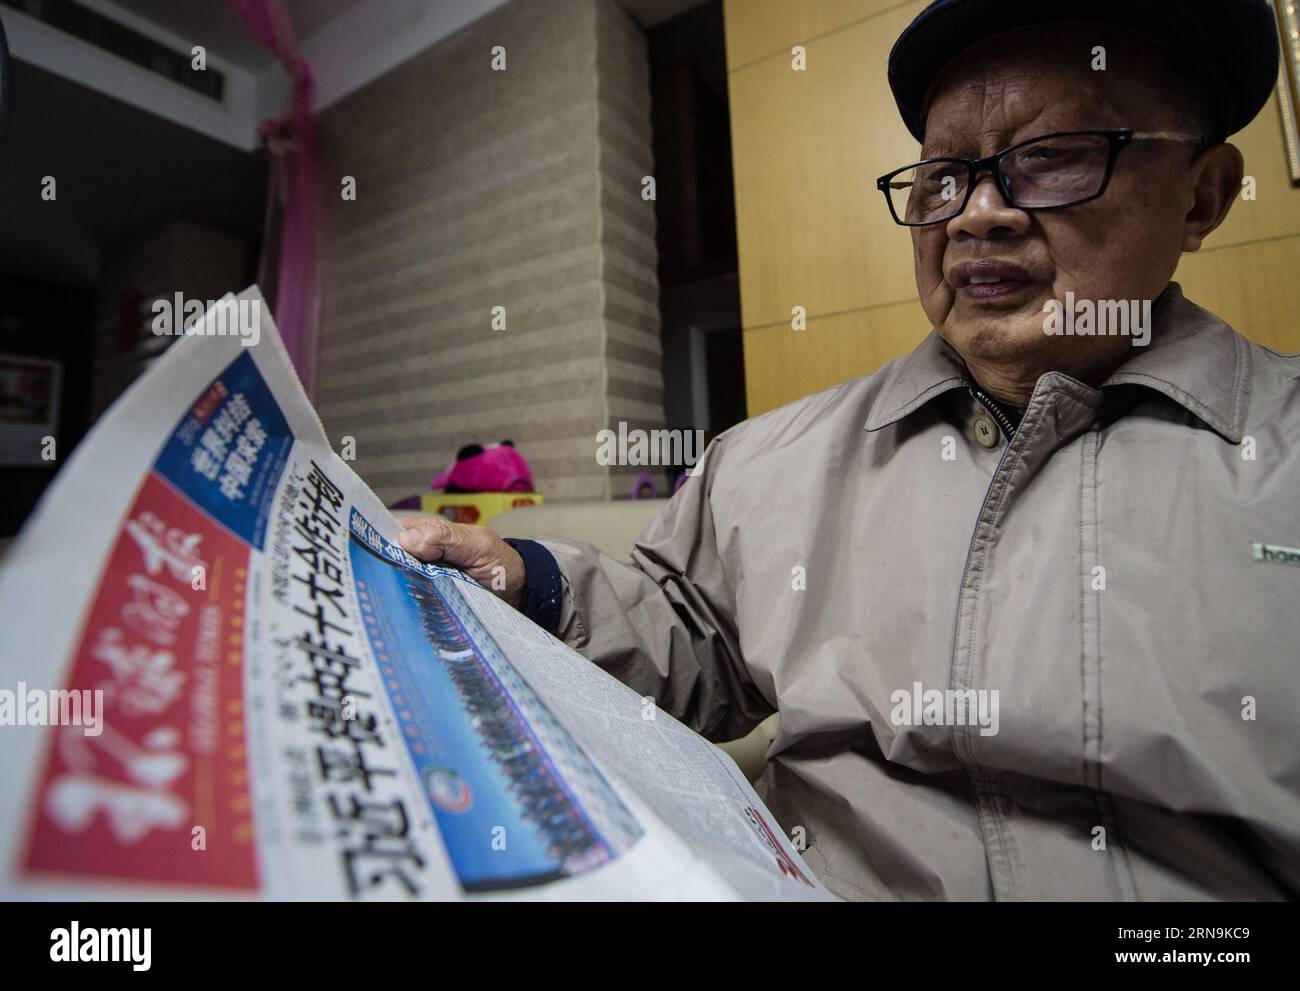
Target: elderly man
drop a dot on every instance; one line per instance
(1022, 597)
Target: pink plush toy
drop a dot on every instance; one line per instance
(490, 468)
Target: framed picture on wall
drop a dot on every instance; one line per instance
(1288, 81)
(29, 408)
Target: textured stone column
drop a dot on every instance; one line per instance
(478, 189)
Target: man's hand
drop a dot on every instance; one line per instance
(475, 550)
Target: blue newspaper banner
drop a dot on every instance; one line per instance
(517, 800)
(228, 452)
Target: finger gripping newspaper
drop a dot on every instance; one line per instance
(222, 677)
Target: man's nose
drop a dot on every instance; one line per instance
(988, 214)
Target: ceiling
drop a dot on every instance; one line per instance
(220, 28)
(648, 13)
(118, 191)
(116, 173)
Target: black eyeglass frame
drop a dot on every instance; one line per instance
(1119, 138)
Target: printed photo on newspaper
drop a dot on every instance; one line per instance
(223, 678)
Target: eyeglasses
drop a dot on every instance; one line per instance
(1044, 173)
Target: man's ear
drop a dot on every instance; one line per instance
(1216, 184)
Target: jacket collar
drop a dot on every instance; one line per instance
(1194, 359)
(932, 369)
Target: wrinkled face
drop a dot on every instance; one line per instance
(1123, 246)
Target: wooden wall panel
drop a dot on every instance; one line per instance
(758, 28)
(782, 365)
(1275, 212)
(813, 230)
(1254, 287)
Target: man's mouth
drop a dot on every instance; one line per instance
(988, 279)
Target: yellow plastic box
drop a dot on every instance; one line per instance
(476, 507)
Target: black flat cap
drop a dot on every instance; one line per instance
(1230, 46)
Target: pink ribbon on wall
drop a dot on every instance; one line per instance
(295, 165)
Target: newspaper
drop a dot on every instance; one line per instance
(222, 677)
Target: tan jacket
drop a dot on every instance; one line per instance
(1099, 572)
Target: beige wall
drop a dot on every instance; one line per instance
(476, 189)
(813, 231)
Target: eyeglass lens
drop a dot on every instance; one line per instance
(1054, 171)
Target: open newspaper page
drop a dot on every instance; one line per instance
(224, 678)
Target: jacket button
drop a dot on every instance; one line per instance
(986, 432)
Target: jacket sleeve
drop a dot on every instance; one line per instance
(665, 623)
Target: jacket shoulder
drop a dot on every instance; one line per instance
(1275, 385)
